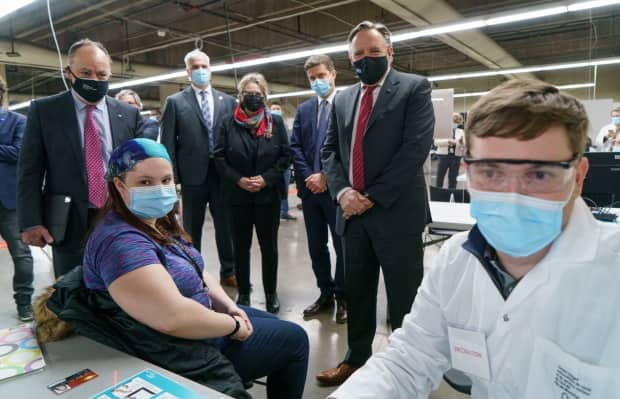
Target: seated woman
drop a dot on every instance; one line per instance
(140, 255)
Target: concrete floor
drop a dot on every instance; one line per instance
(296, 289)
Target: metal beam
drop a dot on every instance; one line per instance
(474, 44)
(38, 57)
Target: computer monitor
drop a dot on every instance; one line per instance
(602, 184)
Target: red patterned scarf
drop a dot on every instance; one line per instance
(260, 124)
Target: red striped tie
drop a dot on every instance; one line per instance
(357, 160)
(93, 156)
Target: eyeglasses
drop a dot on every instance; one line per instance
(535, 177)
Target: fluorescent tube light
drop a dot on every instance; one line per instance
(587, 5)
(524, 16)
(7, 7)
(561, 87)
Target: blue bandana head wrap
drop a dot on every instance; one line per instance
(127, 155)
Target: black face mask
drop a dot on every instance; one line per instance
(252, 102)
(371, 69)
(89, 89)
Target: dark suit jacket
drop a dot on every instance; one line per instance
(52, 158)
(239, 154)
(303, 141)
(397, 140)
(184, 133)
(11, 134)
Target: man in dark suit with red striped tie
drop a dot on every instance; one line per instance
(68, 140)
(379, 136)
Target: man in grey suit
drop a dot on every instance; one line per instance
(379, 136)
(68, 140)
(190, 124)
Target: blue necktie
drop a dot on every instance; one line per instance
(206, 113)
(321, 133)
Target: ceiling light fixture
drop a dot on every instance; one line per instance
(496, 19)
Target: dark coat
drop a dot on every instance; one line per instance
(51, 160)
(95, 315)
(184, 133)
(238, 153)
(396, 143)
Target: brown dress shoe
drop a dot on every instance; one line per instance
(323, 303)
(341, 311)
(335, 376)
(230, 281)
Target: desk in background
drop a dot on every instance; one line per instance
(73, 354)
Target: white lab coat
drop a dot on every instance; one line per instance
(598, 142)
(570, 301)
(442, 144)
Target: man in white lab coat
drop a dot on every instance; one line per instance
(608, 131)
(526, 303)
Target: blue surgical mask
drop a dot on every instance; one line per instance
(152, 202)
(276, 112)
(615, 120)
(616, 149)
(322, 87)
(516, 224)
(201, 76)
(455, 125)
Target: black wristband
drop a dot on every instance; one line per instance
(237, 326)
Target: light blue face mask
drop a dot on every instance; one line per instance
(276, 112)
(455, 125)
(516, 224)
(322, 87)
(616, 149)
(201, 76)
(152, 202)
(615, 120)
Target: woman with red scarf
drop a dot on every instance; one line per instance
(252, 154)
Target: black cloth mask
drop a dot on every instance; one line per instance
(252, 102)
(371, 69)
(89, 89)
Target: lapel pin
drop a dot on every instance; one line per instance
(220, 98)
(120, 115)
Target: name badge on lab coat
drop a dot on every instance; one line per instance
(557, 374)
(468, 350)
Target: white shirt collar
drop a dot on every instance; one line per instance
(329, 98)
(197, 90)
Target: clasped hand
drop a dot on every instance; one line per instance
(354, 203)
(252, 184)
(316, 183)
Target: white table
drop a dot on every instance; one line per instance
(76, 353)
(450, 216)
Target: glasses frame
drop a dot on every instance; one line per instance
(563, 164)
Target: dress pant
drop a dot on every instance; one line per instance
(266, 219)
(20, 253)
(448, 163)
(319, 216)
(195, 200)
(401, 260)
(277, 349)
(71, 252)
(284, 202)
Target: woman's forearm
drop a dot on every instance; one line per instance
(221, 301)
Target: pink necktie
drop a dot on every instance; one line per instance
(97, 192)
(357, 159)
